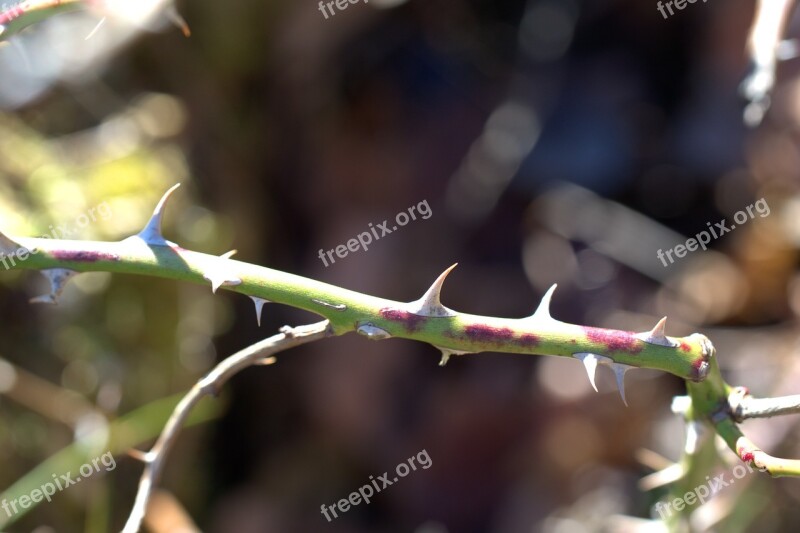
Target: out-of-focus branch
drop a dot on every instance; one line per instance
(764, 48)
(43, 397)
(258, 353)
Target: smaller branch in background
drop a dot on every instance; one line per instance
(40, 396)
(257, 354)
(744, 406)
(766, 48)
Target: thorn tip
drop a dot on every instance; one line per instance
(259, 302)
(151, 234)
(430, 304)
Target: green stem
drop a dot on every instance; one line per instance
(349, 311)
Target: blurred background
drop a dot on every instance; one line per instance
(555, 141)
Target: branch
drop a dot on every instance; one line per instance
(258, 353)
(744, 406)
(711, 404)
(765, 49)
(425, 319)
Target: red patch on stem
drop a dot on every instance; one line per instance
(410, 321)
(82, 256)
(488, 334)
(529, 340)
(615, 341)
(685, 347)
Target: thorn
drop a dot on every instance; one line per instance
(218, 275)
(446, 353)
(542, 312)
(271, 360)
(619, 372)
(151, 234)
(589, 361)
(658, 329)
(430, 304)
(656, 335)
(178, 20)
(58, 278)
(139, 455)
(95, 29)
(259, 306)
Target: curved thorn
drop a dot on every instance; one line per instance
(542, 312)
(619, 373)
(259, 306)
(430, 304)
(58, 278)
(151, 234)
(590, 362)
(447, 353)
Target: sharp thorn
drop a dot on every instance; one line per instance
(259, 306)
(658, 330)
(430, 304)
(542, 312)
(657, 334)
(151, 234)
(58, 278)
(447, 353)
(589, 361)
(619, 373)
(228, 255)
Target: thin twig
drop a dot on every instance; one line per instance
(744, 406)
(210, 385)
